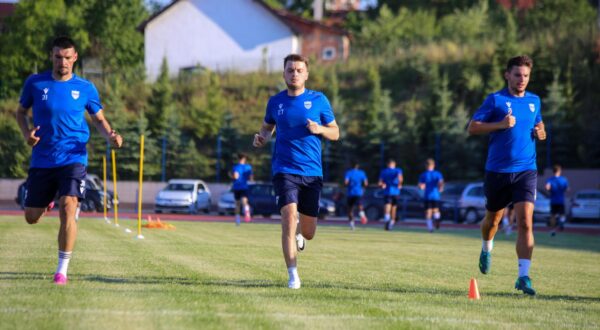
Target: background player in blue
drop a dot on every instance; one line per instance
(355, 179)
(301, 117)
(512, 118)
(557, 185)
(390, 180)
(432, 182)
(59, 136)
(241, 174)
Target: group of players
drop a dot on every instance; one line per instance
(301, 118)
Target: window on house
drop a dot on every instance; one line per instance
(328, 53)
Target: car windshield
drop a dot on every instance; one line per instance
(180, 187)
(589, 195)
(453, 189)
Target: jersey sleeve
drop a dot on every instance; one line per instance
(269, 119)
(538, 112)
(93, 104)
(347, 175)
(484, 113)
(26, 99)
(440, 176)
(326, 111)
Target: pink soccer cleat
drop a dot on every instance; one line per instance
(60, 279)
(50, 206)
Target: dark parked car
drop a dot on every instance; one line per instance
(262, 200)
(410, 203)
(93, 200)
(337, 194)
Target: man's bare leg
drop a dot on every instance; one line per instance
(489, 227)
(67, 235)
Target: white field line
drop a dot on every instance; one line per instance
(282, 316)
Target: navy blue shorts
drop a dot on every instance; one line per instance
(556, 209)
(391, 199)
(503, 188)
(354, 200)
(43, 184)
(431, 204)
(305, 191)
(238, 194)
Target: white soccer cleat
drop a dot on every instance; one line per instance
(300, 242)
(294, 284)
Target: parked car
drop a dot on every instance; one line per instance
(226, 204)
(262, 200)
(337, 194)
(94, 196)
(183, 195)
(411, 203)
(465, 202)
(585, 204)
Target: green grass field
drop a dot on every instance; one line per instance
(216, 275)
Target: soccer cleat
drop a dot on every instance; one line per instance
(60, 279)
(294, 284)
(300, 242)
(50, 206)
(485, 262)
(363, 220)
(524, 284)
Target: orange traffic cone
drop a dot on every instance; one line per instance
(473, 290)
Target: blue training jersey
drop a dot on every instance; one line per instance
(356, 178)
(511, 150)
(244, 171)
(431, 179)
(58, 109)
(389, 176)
(558, 187)
(297, 150)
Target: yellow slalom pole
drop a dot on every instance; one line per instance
(140, 236)
(105, 198)
(116, 196)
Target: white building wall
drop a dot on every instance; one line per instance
(222, 35)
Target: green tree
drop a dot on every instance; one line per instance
(13, 149)
(161, 102)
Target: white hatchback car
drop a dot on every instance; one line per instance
(585, 204)
(183, 195)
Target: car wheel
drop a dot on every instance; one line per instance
(372, 213)
(472, 216)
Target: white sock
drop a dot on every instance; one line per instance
(429, 224)
(504, 222)
(524, 267)
(386, 218)
(362, 214)
(63, 262)
(562, 219)
(487, 246)
(436, 216)
(293, 274)
(77, 212)
(246, 210)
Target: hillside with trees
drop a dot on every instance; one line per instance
(418, 70)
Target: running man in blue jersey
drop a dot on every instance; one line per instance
(432, 182)
(241, 174)
(300, 117)
(557, 185)
(58, 137)
(513, 120)
(390, 180)
(355, 179)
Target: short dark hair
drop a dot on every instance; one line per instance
(64, 42)
(295, 58)
(522, 60)
(556, 168)
(430, 161)
(391, 160)
(242, 156)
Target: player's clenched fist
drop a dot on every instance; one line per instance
(32, 140)
(259, 140)
(510, 120)
(313, 127)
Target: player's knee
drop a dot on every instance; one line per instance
(32, 217)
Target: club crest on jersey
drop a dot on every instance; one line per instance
(280, 111)
(45, 96)
(75, 94)
(508, 104)
(307, 104)
(531, 107)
